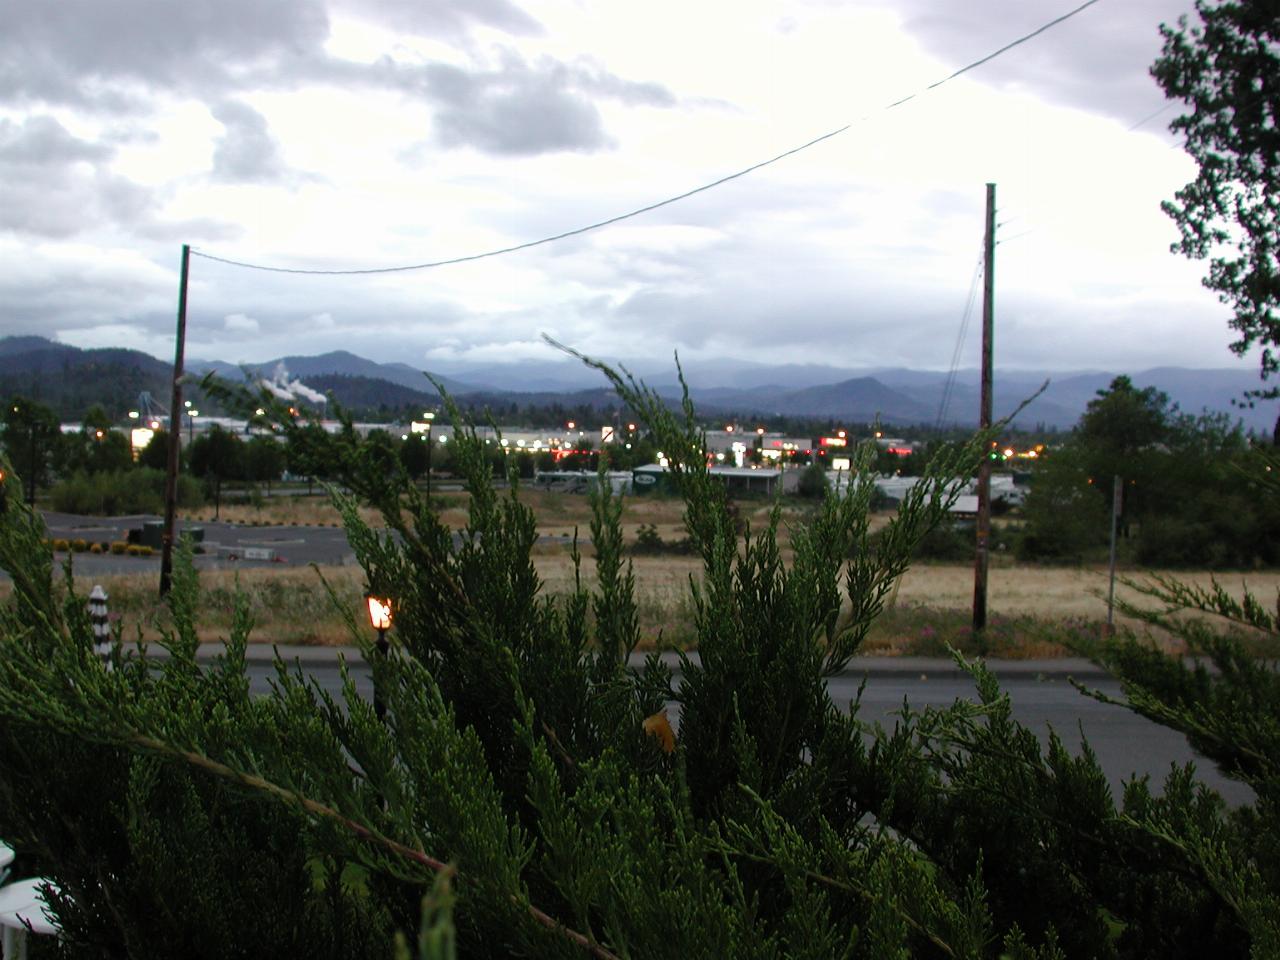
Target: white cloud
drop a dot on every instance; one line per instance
(239, 323)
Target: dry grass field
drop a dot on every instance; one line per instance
(1033, 611)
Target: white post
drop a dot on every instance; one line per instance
(101, 623)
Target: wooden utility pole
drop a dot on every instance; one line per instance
(984, 421)
(175, 433)
(1117, 495)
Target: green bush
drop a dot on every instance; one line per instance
(649, 541)
(140, 490)
(813, 482)
(511, 745)
(949, 542)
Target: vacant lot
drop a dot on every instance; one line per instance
(1033, 611)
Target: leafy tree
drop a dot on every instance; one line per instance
(96, 448)
(413, 454)
(813, 482)
(31, 435)
(1224, 69)
(97, 452)
(218, 454)
(310, 451)
(155, 455)
(264, 460)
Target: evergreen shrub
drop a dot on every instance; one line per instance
(549, 802)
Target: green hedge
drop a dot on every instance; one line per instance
(125, 492)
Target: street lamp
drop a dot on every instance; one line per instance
(191, 424)
(428, 416)
(379, 609)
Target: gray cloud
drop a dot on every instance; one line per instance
(112, 55)
(1098, 60)
(56, 185)
(445, 18)
(51, 184)
(247, 152)
(519, 108)
(516, 112)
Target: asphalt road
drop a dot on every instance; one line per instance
(1125, 743)
(226, 546)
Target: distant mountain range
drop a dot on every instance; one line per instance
(70, 380)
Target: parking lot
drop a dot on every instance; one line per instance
(225, 546)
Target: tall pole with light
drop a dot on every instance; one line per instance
(380, 619)
(429, 416)
(192, 413)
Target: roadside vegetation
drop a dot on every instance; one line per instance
(546, 804)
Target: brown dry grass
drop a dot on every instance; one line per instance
(558, 513)
(1031, 608)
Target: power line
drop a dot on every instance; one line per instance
(661, 203)
(949, 384)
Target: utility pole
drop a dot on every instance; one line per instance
(984, 422)
(175, 433)
(1117, 495)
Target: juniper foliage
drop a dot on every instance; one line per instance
(514, 780)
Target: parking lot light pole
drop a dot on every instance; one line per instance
(380, 619)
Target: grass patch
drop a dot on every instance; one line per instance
(920, 631)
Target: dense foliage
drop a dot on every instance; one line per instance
(1224, 69)
(1190, 494)
(539, 792)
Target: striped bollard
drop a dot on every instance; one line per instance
(98, 618)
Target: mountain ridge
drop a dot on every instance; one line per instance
(33, 365)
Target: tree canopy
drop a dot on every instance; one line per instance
(1225, 70)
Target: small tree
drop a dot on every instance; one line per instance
(155, 454)
(813, 482)
(31, 435)
(264, 460)
(1224, 70)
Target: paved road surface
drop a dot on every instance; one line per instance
(1124, 742)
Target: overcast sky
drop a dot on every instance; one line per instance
(338, 134)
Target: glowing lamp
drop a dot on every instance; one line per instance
(379, 613)
(380, 618)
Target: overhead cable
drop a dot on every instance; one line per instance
(661, 203)
(949, 384)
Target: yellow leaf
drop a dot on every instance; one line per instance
(659, 726)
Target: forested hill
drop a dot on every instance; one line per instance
(70, 380)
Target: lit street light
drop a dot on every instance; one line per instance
(380, 619)
(429, 416)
